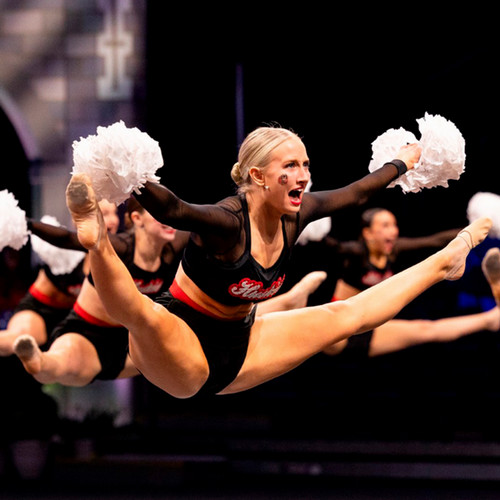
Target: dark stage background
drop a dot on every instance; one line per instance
(210, 84)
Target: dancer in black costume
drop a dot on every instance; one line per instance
(203, 334)
(51, 297)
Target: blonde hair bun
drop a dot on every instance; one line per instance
(236, 173)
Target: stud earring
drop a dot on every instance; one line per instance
(266, 188)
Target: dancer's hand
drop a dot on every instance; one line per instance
(410, 154)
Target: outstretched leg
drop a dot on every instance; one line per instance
(282, 340)
(162, 347)
(398, 334)
(91, 230)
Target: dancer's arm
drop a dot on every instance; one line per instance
(437, 240)
(61, 237)
(58, 236)
(322, 203)
(344, 248)
(168, 208)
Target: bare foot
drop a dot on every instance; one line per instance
(465, 241)
(84, 209)
(491, 269)
(27, 350)
(300, 292)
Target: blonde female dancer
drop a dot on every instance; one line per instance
(203, 334)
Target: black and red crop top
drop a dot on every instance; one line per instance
(218, 257)
(150, 283)
(361, 274)
(242, 281)
(69, 283)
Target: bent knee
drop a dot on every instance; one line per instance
(180, 380)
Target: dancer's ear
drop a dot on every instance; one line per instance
(257, 176)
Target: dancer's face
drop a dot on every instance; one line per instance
(382, 233)
(110, 216)
(287, 175)
(153, 228)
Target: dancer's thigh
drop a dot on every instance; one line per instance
(281, 341)
(167, 352)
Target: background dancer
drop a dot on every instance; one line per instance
(88, 343)
(51, 296)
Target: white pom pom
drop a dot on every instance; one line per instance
(60, 260)
(386, 146)
(118, 160)
(443, 153)
(442, 159)
(485, 205)
(315, 231)
(13, 225)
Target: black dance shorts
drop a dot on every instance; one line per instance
(52, 316)
(224, 343)
(111, 342)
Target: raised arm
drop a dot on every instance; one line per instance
(323, 203)
(436, 240)
(58, 236)
(166, 207)
(62, 237)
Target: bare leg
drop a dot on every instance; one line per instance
(71, 360)
(22, 323)
(397, 334)
(162, 347)
(491, 269)
(297, 335)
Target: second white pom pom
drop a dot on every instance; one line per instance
(13, 225)
(118, 160)
(442, 159)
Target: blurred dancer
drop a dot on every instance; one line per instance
(88, 344)
(372, 258)
(370, 261)
(51, 296)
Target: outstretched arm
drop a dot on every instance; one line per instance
(323, 203)
(168, 208)
(436, 240)
(61, 237)
(58, 236)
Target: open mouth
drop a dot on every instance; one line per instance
(295, 196)
(389, 244)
